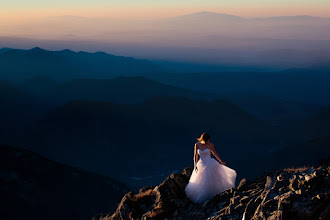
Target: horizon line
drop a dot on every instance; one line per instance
(27, 16)
(198, 12)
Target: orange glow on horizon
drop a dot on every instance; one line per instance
(11, 17)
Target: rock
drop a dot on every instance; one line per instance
(325, 214)
(242, 183)
(284, 194)
(280, 178)
(34, 187)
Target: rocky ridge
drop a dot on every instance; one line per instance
(300, 193)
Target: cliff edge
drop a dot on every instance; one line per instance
(297, 193)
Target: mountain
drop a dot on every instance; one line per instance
(296, 18)
(321, 67)
(284, 194)
(206, 17)
(297, 85)
(98, 135)
(19, 111)
(33, 187)
(24, 104)
(312, 126)
(273, 110)
(229, 17)
(40, 112)
(124, 90)
(306, 152)
(205, 37)
(317, 124)
(4, 49)
(310, 140)
(66, 65)
(220, 19)
(39, 86)
(224, 25)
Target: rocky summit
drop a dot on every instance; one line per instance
(297, 193)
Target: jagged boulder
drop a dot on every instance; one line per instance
(285, 194)
(155, 202)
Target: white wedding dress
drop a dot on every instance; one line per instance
(210, 179)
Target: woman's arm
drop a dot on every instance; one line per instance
(195, 154)
(216, 154)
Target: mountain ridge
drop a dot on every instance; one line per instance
(99, 129)
(20, 64)
(233, 17)
(122, 89)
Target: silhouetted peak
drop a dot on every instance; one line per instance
(204, 13)
(37, 49)
(213, 15)
(4, 49)
(67, 51)
(101, 53)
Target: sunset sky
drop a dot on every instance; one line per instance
(16, 10)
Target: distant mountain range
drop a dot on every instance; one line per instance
(101, 136)
(84, 121)
(40, 65)
(33, 187)
(207, 15)
(19, 110)
(41, 112)
(124, 90)
(66, 64)
(223, 16)
(4, 49)
(317, 124)
(303, 85)
(306, 152)
(204, 37)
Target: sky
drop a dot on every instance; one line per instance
(30, 23)
(15, 10)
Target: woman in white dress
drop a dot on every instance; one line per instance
(209, 177)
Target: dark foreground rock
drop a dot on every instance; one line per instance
(286, 194)
(33, 187)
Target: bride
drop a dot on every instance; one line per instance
(209, 177)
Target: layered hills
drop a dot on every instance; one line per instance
(64, 65)
(156, 134)
(100, 122)
(34, 187)
(95, 123)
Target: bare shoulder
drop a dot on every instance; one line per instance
(211, 145)
(197, 144)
